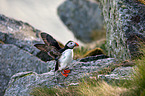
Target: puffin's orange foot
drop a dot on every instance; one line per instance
(64, 74)
(66, 71)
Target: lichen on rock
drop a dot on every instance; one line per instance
(125, 27)
(120, 73)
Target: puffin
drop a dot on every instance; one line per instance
(63, 56)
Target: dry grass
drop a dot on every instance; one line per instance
(87, 87)
(101, 88)
(44, 91)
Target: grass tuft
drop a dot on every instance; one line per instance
(43, 91)
(138, 78)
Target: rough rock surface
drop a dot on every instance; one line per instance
(19, 33)
(14, 60)
(22, 35)
(83, 18)
(118, 74)
(22, 83)
(125, 20)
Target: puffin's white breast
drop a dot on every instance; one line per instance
(65, 58)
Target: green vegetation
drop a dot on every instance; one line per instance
(138, 79)
(79, 52)
(85, 51)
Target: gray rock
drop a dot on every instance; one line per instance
(14, 60)
(21, 84)
(22, 35)
(118, 74)
(83, 18)
(125, 23)
(19, 33)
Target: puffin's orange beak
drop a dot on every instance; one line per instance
(76, 44)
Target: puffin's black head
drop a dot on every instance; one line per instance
(71, 45)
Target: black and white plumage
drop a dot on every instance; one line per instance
(63, 56)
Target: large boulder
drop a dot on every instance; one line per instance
(16, 55)
(83, 18)
(14, 60)
(22, 35)
(21, 84)
(125, 23)
(19, 33)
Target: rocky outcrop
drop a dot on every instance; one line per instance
(125, 27)
(83, 18)
(14, 60)
(22, 35)
(19, 33)
(17, 51)
(119, 73)
(18, 61)
(21, 84)
(18, 54)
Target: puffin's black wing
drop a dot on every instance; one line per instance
(49, 40)
(43, 47)
(52, 51)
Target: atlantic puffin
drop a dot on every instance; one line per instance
(63, 56)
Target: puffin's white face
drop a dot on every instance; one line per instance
(71, 44)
